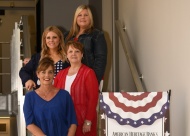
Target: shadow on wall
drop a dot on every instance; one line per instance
(109, 62)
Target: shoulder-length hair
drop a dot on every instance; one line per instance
(75, 28)
(45, 49)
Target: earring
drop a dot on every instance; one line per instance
(52, 82)
(38, 82)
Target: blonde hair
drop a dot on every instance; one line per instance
(75, 28)
(45, 48)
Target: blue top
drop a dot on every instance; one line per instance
(54, 117)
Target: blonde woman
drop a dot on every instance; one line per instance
(53, 47)
(95, 47)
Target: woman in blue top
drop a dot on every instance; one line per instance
(49, 111)
(95, 46)
(52, 46)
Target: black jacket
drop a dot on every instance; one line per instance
(95, 51)
(28, 71)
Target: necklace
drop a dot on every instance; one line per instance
(44, 94)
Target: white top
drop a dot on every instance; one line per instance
(69, 81)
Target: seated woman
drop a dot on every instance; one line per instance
(49, 111)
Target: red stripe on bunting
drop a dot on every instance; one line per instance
(135, 98)
(137, 109)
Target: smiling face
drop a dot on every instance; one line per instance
(74, 55)
(45, 71)
(83, 19)
(46, 76)
(52, 40)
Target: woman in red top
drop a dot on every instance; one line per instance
(81, 82)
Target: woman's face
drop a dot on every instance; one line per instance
(74, 55)
(52, 40)
(46, 76)
(83, 19)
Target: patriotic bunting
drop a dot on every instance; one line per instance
(135, 112)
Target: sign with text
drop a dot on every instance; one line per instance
(134, 113)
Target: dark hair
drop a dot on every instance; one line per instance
(44, 64)
(74, 44)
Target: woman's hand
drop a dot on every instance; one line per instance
(30, 84)
(86, 126)
(26, 60)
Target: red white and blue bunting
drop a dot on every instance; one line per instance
(136, 109)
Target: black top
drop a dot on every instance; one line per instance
(95, 51)
(28, 71)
